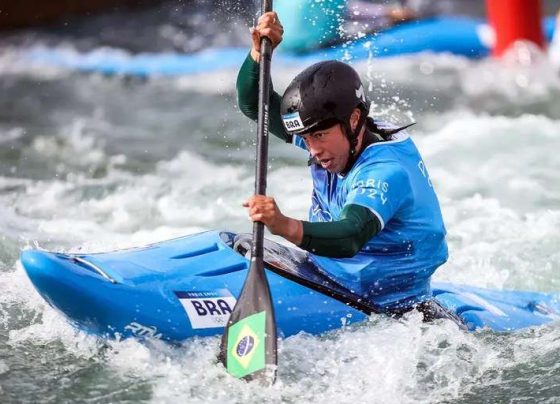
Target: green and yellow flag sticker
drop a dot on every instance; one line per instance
(246, 345)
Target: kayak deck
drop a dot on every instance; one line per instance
(187, 287)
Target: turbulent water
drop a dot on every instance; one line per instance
(95, 163)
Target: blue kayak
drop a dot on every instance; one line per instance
(462, 36)
(187, 287)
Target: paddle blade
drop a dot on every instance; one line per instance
(248, 349)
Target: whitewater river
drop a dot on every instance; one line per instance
(95, 163)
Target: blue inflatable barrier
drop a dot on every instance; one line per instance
(456, 35)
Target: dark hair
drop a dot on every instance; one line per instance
(386, 134)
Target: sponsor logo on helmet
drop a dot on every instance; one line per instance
(360, 93)
(292, 122)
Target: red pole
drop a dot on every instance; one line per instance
(515, 20)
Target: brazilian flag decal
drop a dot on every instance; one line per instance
(246, 345)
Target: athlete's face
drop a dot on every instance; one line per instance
(331, 146)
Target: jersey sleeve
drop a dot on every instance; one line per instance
(343, 237)
(380, 187)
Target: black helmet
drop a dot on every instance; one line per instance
(322, 95)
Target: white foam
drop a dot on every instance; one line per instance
(386, 361)
(496, 177)
(508, 158)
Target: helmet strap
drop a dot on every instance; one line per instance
(352, 136)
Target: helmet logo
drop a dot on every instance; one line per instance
(360, 93)
(292, 122)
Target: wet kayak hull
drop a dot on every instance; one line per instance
(186, 287)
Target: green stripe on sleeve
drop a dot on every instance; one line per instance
(342, 238)
(248, 98)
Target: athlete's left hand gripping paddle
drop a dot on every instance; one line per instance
(248, 348)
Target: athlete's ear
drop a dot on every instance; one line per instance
(354, 118)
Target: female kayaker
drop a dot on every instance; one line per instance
(373, 203)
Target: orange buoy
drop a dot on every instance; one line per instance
(515, 20)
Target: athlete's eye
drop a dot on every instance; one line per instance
(313, 136)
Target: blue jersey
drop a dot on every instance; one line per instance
(390, 179)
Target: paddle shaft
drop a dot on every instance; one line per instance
(249, 346)
(262, 132)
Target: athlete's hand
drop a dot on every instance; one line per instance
(264, 209)
(268, 25)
